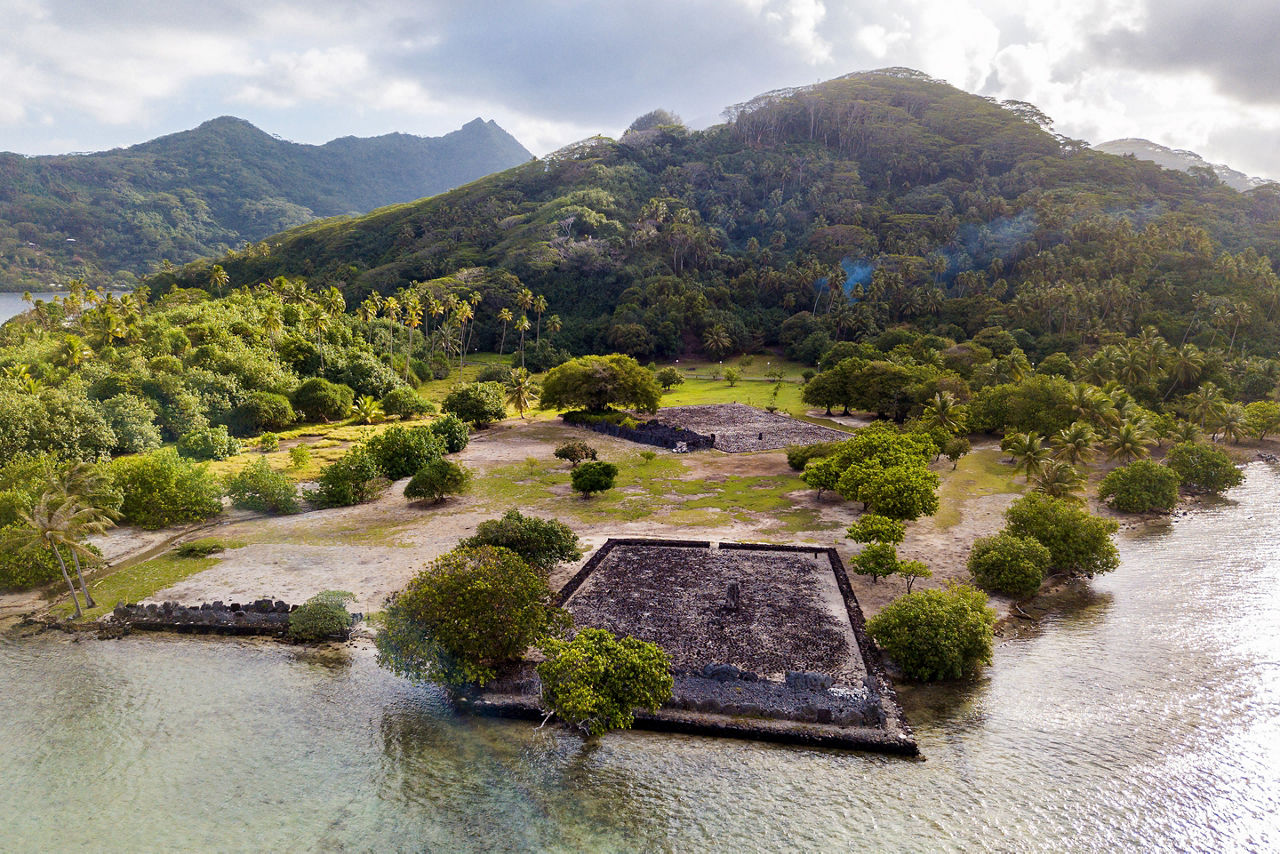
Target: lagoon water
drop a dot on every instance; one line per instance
(1147, 719)
(12, 304)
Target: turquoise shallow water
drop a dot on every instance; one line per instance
(1149, 719)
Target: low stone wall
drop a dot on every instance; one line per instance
(651, 433)
(263, 617)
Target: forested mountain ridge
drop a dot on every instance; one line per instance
(1182, 160)
(932, 205)
(109, 216)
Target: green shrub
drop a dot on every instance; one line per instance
(874, 528)
(469, 612)
(133, 422)
(161, 489)
(353, 478)
(540, 356)
(317, 399)
(208, 443)
(593, 477)
(936, 634)
(596, 681)
(403, 451)
(268, 442)
(299, 455)
(543, 543)
(21, 569)
(259, 412)
(321, 617)
(1078, 541)
(878, 560)
(438, 479)
(258, 487)
(668, 378)
(1142, 486)
(575, 452)
(1203, 468)
(405, 403)
(1007, 563)
(199, 548)
(479, 404)
(798, 456)
(452, 431)
(500, 374)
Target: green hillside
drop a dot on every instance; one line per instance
(933, 205)
(109, 216)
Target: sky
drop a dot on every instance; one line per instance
(87, 75)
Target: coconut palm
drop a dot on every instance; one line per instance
(1129, 441)
(539, 306)
(391, 310)
(1028, 451)
(85, 485)
(412, 306)
(1074, 444)
(944, 413)
(522, 326)
(504, 317)
(554, 325)
(1058, 479)
(58, 522)
(1232, 423)
(1205, 403)
(218, 278)
(522, 391)
(1186, 431)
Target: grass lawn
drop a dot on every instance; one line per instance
(140, 581)
(978, 473)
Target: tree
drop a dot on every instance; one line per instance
(936, 634)
(732, 376)
(258, 487)
(543, 543)
(910, 570)
(405, 403)
(479, 404)
(878, 560)
(575, 452)
(1073, 444)
(59, 522)
(598, 382)
(1028, 452)
(668, 378)
(522, 391)
(899, 492)
(437, 480)
(1059, 479)
(353, 478)
(317, 399)
(1078, 542)
(261, 411)
(1007, 563)
(161, 489)
(1142, 486)
(1203, 468)
(1262, 417)
(1127, 442)
(874, 528)
(593, 477)
(403, 451)
(208, 443)
(465, 615)
(596, 681)
(452, 432)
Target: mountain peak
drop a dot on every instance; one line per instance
(1179, 159)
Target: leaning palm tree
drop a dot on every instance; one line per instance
(522, 391)
(56, 523)
(91, 491)
(1028, 451)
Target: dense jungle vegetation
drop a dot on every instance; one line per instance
(111, 216)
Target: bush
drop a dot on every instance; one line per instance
(575, 452)
(437, 479)
(1007, 563)
(452, 432)
(364, 374)
(403, 451)
(299, 455)
(161, 489)
(593, 477)
(317, 399)
(596, 681)
(798, 456)
(500, 374)
(936, 634)
(874, 528)
(1078, 541)
(21, 569)
(540, 356)
(468, 613)
(258, 487)
(1142, 486)
(353, 478)
(133, 422)
(259, 412)
(479, 404)
(542, 543)
(405, 403)
(208, 443)
(1203, 468)
(321, 617)
(199, 548)
(268, 442)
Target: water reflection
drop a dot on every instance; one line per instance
(1146, 716)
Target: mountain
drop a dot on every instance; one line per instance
(929, 203)
(1180, 159)
(110, 216)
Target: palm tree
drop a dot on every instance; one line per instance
(505, 316)
(943, 412)
(1205, 403)
(1185, 367)
(1028, 452)
(368, 312)
(1058, 479)
(218, 278)
(73, 352)
(1232, 423)
(463, 314)
(522, 326)
(272, 323)
(334, 303)
(522, 391)
(539, 306)
(716, 341)
(412, 320)
(554, 325)
(391, 309)
(316, 321)
(85, 485)
(1073, 444)
(1129, 441)
(58, 522)
(1185, 431)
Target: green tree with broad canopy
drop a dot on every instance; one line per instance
(597, 383)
